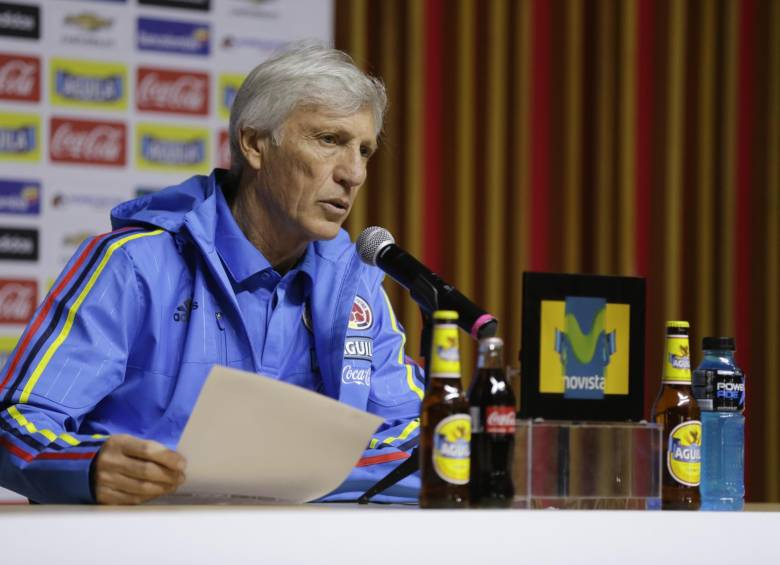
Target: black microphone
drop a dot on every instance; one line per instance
(376, 246)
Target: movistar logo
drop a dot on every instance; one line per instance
(585, 347)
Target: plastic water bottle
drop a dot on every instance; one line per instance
(719, 387)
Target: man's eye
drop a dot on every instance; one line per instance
(366, 151)
(329, 139)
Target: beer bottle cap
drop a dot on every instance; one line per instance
(719, 343)
(677, 328)
(445, 315)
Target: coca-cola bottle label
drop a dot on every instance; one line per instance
(500, 420)
(452, 449)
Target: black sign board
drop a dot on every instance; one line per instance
(582, 352)
(203, 5)
(18, 244)
(20, 20)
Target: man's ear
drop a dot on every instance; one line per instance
(253, 146)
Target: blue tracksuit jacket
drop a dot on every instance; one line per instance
(103, 353)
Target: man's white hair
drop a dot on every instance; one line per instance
(305, 73)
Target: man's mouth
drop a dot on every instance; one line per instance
(336, 205)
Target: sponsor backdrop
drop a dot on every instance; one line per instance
(101, 101)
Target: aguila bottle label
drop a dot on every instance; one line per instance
(445, 359)
(677, 365)
(684, 453)
(452, 449)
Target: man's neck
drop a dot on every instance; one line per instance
(265, 230)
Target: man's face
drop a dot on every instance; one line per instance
(311, 179)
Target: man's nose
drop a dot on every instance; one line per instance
(350, 171)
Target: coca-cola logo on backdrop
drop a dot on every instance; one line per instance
(20, 78)
(18, 299)
(87, 141)
(161, 90)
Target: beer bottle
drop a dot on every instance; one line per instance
(492, 405)
(445, 433)
(676, 410)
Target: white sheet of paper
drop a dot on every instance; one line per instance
(253, 437)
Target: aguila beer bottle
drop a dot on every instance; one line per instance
(445, 435)
(492, 405)
(676, 410)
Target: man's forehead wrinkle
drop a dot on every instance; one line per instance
(342, 130)
(316, 116)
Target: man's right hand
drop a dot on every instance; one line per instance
(129, 470)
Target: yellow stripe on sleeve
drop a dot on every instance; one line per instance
(409, 371)
(28, 388)
(410, 427)
(30, 427)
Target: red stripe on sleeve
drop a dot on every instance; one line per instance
(47, 455)
(47, 305)
(376, 459)
(14, 450)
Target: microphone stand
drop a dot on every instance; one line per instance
(426, 297)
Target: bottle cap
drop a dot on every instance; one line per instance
(490, 344)
(445, 315)
(677, 328)
(719, 343)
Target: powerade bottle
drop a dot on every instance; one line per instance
(719, 387)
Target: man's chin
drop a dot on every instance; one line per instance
(326, 230)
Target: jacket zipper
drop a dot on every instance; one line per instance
(223, 349)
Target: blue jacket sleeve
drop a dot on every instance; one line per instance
(396, 393)
(71, 355)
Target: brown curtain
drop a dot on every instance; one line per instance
(632, 137)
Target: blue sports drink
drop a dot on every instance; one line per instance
(719, 387)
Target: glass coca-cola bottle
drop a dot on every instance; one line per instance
(492, 406)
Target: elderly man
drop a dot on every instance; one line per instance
(248, 268)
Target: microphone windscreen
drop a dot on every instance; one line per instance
(370, 243)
